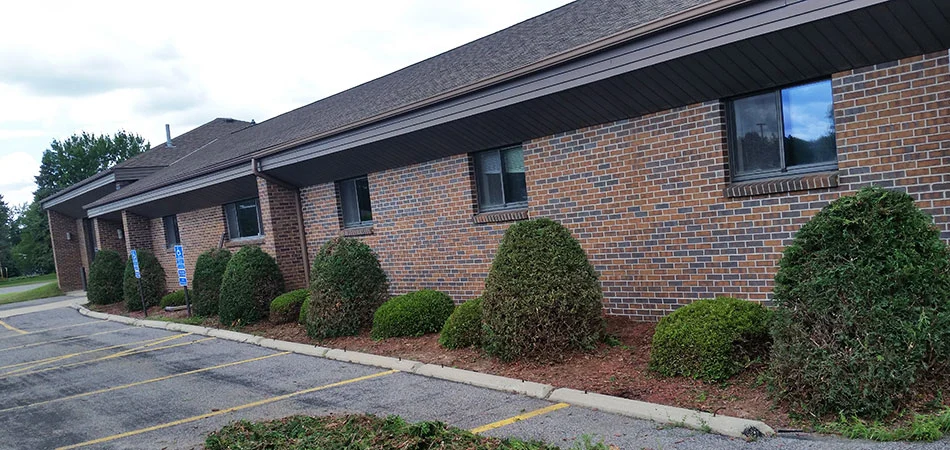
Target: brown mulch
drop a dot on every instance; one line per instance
(619, 370)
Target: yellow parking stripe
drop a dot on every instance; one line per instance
(519, 418)
(52, 359)
(12, 328)
(81, 324)
(226, 411)
(139, 383)
(69, 338)
(115, 355)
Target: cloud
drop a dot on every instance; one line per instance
(16, 177)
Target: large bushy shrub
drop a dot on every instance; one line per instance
(286, 307)
(710, 339)
(251, 280)
(176, 298)
(863, 318)
(541, 296)
(105, 278)
(464, 326)
(348, 285)
(206, 282)
(153, 281)
(412, 314)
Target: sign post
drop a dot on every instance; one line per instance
(182, 274)
(138, 277)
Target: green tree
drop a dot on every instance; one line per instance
(6, 236)
(33, 250)
(82, 156)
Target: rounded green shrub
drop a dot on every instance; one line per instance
(347, 286)
(541, 296)
(710, 339)
(250, 281)
(412, 314)
(153, 282)
(863, 308)
(464, 326)
(206, 282)
(105, 278)
(176, 298)
(286, 307)
(302, 317)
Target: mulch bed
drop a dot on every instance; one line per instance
(619, 370)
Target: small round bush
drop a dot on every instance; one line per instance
(412, 314)
(464, 326)
(863, 308)
(302, 317)
(251, 280)
(153, 281)
(286, 307)
(710, 339)
(105, 278)
(176, 298)
(206, 282)
(541, 296)
(348, 285)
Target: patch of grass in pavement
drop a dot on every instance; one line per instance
(193, 320)
(363, 432)
(921, 427)
(44, 291)
(19, 281)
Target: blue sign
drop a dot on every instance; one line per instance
(135, 263)
(180, 265)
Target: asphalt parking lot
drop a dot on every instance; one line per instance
(69, 381)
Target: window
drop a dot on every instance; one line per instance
(354, 200)
(499, 178)
(781, 132)
(243, 219)
(172, 237)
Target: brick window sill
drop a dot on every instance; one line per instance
(819, 180)
(244, 241)
(357, 231)
(505, 215)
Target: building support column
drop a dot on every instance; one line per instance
(109, 235)
(282, 231)
(67, 254)
(138, 232)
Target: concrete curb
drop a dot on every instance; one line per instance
(725, 425)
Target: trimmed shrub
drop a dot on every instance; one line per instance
(176, 298)
(710, 339)
(541, 296)
(464, 326)
(206, 282)
(863, 317)
(347, 286)
(286, 307)
(153, 281)
(105, 278)
(251, 280)
(412, 314)
(302, 317)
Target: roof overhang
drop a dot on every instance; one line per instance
(70, 202)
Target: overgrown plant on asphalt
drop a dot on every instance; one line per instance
(464, 327)
(541, 297)
(251, 280)
(206, 282)
(105, 278)
(286, 307)
(711, 340)
(863, 318)
(153, 282)
(413, 314)
(347, 286)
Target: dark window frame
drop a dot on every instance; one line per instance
(340, 186)
(227, 220)
(505, 204)
(784, 170)
(176, 235)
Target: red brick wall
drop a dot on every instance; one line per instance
(200, 231)
(646, 196)
(108, 236)
(138, 232)
(66, 253)
(282, 231)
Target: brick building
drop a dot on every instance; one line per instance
(683, 142)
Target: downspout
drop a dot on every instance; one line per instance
(298, 207)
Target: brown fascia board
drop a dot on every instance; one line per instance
(96, 181)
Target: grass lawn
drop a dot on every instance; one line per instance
(362, 432)
(19, 281)
(44, 291)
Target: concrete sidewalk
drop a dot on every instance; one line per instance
(43, 304)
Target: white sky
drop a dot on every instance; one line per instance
(102, 66)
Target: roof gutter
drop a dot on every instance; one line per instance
(298, 207)
(686, 15)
